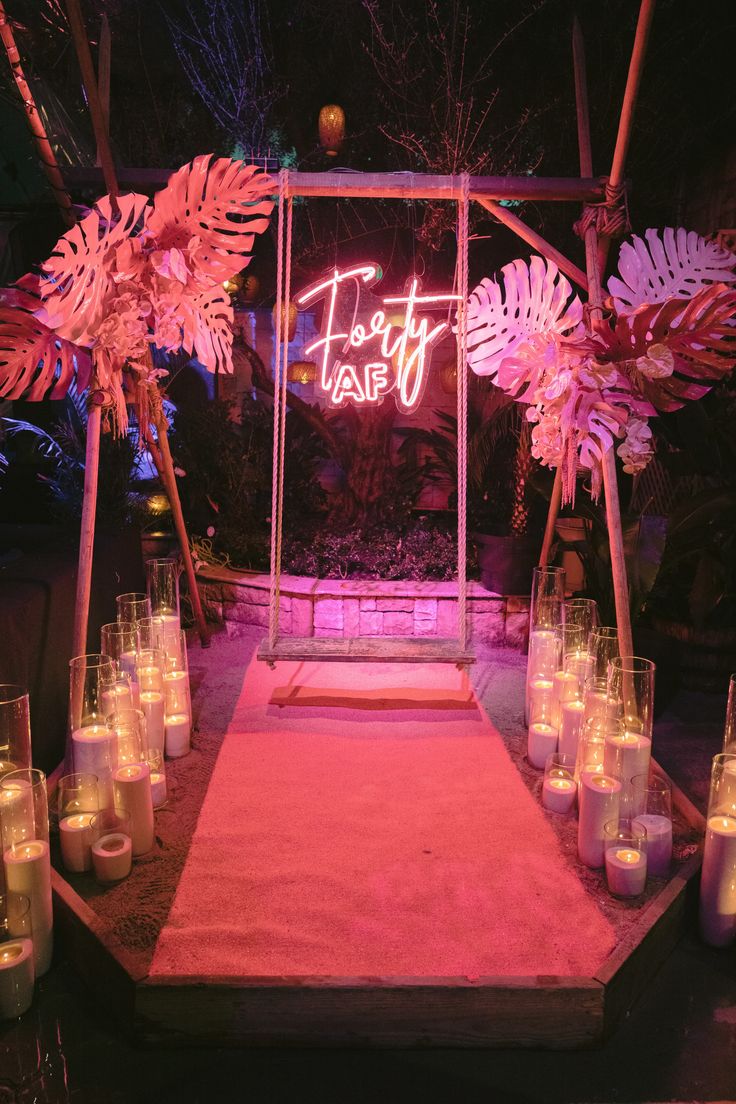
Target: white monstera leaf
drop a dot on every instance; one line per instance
(519, 316)
(675, 265)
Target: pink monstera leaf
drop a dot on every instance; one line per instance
(207, 326)
(677, 350)
(35, 363)
(211, 211)
(674, 265)
(80, 272)
(518, 318)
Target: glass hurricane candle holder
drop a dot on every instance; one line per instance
(119, 639)
(545, 611)
(729, 731)
(583, 612)
(128, 727)
(176, 676)
(150, 669)
(603, 647)
(77, 803)
(17, 972)
(152, 633)
(595, 732)
(157, 768)
(132, 606)
(26, 856)
(162, 579)
(625, 858)
(15, 728)
(651, 809)
(559, 789)
(717, 910)
(597, 702)
(91, 681)
(112, 850)
(631, 681)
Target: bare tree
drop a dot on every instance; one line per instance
(224, 48)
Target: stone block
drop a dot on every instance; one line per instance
(367, 605)
(487, 626)
(371, 624)
(398, 624)
(518, 603)
(302, 617)
(395, 605)
(447, 617)
(235, 629)
(324, 630)
(425, 609)
(246, 613)
(328, 614)
(351, 617)
(425, 627)
(212, 611)
(517, 630)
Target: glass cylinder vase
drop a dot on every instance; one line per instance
(24, 818)
(15, 728)
(717, 911)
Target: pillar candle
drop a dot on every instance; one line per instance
(158, 789)
(150, 678)
(659, 842)
(178, 731)
(718, 882)
(93, 753)
(76, 837)
(571, 717)
(28, 871)
(582, 665)
(541, 742)
(112, 857)
(16, 978)
(152, 707)
(176, 689)
(627, 755)
(171, 634)
(598, 802)
(543, 647)
(626, 871)
(133, 796)
(565, 688)
(119, 698)
(126, 663)
(540, 697)
(16, 811)
(558, 794)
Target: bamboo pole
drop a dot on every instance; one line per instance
(87, 532)
(610, 483)
(531, 237)
(103, 77)
(163, 458)
(631, 94)
(43, 146)
(552, 515)
(89, 79)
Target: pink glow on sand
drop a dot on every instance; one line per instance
(343, 841)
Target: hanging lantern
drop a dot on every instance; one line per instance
(302, 371)
(448, 377)
(233, 285)
(293, 316)
(251, 287)
(331, 128)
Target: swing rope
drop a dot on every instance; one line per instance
(283, 291)
(462, 410)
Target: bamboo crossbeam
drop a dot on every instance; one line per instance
(535, 240)
(36, 127)
(388, 185)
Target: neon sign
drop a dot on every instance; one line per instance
(363, 353)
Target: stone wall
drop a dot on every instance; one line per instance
(358, 607)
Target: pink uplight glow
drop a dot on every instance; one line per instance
(363, 355)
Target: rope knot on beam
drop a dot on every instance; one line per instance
(610, 218)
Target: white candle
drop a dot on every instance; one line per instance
(558, 794)
(598, 704)
(171, 629)
(543, 651)
(93, 753)
(152, 707)
(178, 731)
(176, 689)
(627, 755)
(119, 698)
(571, 718)
(16, 978)
(626, 871)
(565, 688)
(659, 842)
(150, 678)
(28, 871)
(718, 882)
(76, 837)
(16, 811)
(112, 857)
(598, 802)
(126, 663)
(541, 742)
(158, 789)
(133, 796)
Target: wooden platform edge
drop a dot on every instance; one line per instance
(366, 649)
(553, 1013)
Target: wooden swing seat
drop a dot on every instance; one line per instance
(366, 649)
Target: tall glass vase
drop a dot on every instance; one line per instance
(718, 874)
(15, 728)
(546, 612)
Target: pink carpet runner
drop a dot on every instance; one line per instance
(346, 836)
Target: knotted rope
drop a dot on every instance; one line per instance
(463, 208)
(610, 217)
